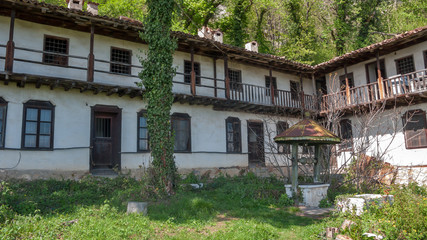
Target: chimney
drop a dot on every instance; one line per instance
(75, 4)
(92, 8)
(252, 46)
(205, 32)
(218, 36)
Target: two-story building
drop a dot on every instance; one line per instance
(70, 104)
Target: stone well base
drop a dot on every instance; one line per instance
(357, 203)
(312, 194)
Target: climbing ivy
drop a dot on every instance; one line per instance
(157, 77)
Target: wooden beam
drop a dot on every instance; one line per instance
(227, 79)
(91, 56)
(347, 88)
(215, 83)
(271, 86)
(112, 91)
(193, 73)
(10, 47)
(54, 84)
(69, 86)
(380, 79)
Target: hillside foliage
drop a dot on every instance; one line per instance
(309, 31)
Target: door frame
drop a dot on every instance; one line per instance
(116, 132)
(258, 122)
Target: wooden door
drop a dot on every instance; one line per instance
(106, 131)
(256, 144)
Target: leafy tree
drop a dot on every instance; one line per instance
(157, 77)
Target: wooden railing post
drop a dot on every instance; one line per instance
(215, 84)
(227, 79)
(91, 57)
(347, 87)
(10, 47)
(193, 73)
(302, 101)
(380, 79)
(271, 87)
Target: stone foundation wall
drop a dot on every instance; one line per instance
(409, 174)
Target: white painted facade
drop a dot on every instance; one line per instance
(72, 113)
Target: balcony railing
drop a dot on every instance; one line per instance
(392, 87)
(30, 61)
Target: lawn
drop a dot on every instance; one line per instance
(226, 208)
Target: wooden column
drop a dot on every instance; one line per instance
(10, 47)
(193, 73)
(317, 161)
(271, 87)
(347, 87)
(302, 96)
(91, 56)
(227, 79)
(294, 174)
(380, 79)
(215, 83)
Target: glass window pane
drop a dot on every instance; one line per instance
(142, 122)
(30, 141)
(45, 115)
(44, 141)
(143, 145)
(230, 137)
(1, 140)
(143, 133)
(31, 127)
(1, 125)
(45, 128)
(32, 114)
(1, 111)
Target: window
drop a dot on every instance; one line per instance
(181, 126)
(235, 79)
(295, 90)
(350, 81)
(142, 132)
(267, 85)
(346, 135)
(415, 126)
(234, 137)
(405, 65)
(58, 51)
(120, 61)
(38, 125)
(187, 72)
(282, 148)
(425, 58)
(3, 106)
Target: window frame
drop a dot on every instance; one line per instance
(239, 86)
(233, 120)
(129, 65)
(3, 104)
(295, 95)
(53, 53)
(39, 105)
(197, 72)
(350, 77)
(286, 147)
(140, 114)
(425, 58)
(342, 146)
(400, 59)
(404, 118)
(182, 117)
(268, 86)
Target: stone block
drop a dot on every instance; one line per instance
(137, 207)
(356, 204)
(312, 194)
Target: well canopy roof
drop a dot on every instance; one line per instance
(308, 132)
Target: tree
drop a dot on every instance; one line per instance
(157, 77)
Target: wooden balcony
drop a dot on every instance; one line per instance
(90, 73)
(405, 87)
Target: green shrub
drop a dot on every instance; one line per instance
(325, 203)
(285, 200)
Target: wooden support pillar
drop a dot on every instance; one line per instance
(215, 83)
(271, 87)
(193, 73)
(347, 87)
(91, 56)
(227, 79)
(317, 161)
(380, 79)
(302, 96)
(10, 47)
(294, 174)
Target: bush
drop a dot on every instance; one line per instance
(325, 203)
(285, 200)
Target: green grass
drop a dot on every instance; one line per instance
(227, 208)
